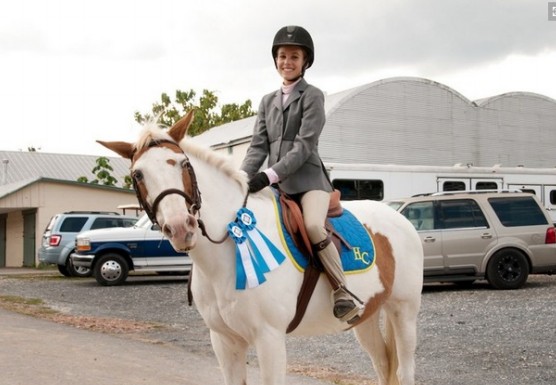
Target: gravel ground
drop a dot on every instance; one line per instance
(467, 336)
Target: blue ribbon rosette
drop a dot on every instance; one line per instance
(256, 255)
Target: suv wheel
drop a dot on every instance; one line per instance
(63, 269)
(77, 271)
(111, 269)
(507, 270)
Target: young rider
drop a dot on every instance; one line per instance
(287, 130)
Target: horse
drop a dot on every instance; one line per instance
(193, 193)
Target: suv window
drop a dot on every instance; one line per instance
(420, 214)
(522, 211)
(103, 223)
(461, 213)
(73, 224)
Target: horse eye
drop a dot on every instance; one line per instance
(184, 163)
(137, 175)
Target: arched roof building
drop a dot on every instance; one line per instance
(416, 121)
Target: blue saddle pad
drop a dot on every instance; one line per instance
(359, 258)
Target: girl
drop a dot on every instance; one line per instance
(288, 127)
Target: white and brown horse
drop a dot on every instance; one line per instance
(168, 167)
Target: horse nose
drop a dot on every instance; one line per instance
(191, 222)
(181, 232)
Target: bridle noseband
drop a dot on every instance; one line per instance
(192, 199)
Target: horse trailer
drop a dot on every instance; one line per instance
(387, 182)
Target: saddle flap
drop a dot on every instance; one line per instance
(295, 226)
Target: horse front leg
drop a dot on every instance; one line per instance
(271, 352)
(231, 352)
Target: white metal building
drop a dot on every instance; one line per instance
(403, 136)
(415, 121)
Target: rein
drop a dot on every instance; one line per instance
(193, 200)
(225, 236)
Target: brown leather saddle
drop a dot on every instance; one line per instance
(293, 222)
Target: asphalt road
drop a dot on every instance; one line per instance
(36, 351)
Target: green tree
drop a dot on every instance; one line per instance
(206, 115)
(102, 171)
(168, 113)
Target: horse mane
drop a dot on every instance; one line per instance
(154, 132)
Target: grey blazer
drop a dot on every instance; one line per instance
(288, 135)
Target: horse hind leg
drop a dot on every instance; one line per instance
(371, 339)
(231, 352)
(401, 329)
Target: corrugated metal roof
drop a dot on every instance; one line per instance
(227, 133)
(417, 121)
(19, 166)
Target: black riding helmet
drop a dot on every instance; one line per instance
(294, 35)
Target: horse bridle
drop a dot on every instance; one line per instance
(192, 199)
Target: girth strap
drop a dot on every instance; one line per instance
(310, 279)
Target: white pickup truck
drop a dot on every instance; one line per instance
(112, 253)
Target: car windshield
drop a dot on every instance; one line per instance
(395, 204)
(144, 221)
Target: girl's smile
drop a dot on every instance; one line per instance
(290, 62)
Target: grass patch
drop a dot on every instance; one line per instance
(36, 307)
(27, 306)
(330, 375)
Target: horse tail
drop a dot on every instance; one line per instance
(391, 352)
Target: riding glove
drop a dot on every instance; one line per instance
(258, 182)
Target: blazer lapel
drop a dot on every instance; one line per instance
(277, 102)
(296, 93)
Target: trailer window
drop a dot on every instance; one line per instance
(353, 189)
(453, 185)
(486, 186)
(553, 197)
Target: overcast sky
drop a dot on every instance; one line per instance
(74, 71)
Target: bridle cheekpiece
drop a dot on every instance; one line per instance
(192, 197)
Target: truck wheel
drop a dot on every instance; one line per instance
(111, 269)
(507, 270)
(77, 271)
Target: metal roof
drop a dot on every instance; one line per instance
(417, 121)
(18, 166)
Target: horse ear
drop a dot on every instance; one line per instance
(124, 149)
(179, 130)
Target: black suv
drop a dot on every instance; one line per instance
(58, 240)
